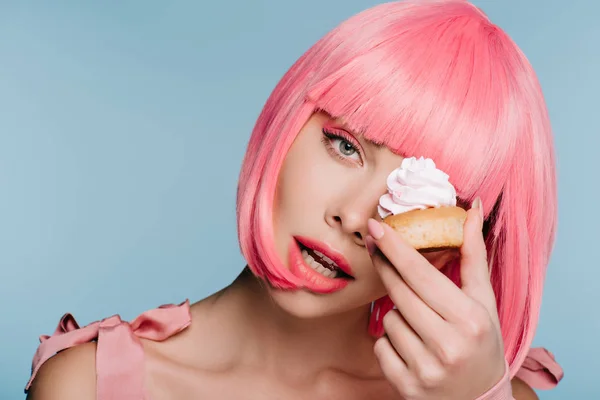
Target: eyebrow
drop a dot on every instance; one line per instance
(372, 143)
(344, 126)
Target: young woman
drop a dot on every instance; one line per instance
(418, 78)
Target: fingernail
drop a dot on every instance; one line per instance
(477, 204)
(371, 246)
(375, 229)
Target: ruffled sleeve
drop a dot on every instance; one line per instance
(540, 369)
(119, 354)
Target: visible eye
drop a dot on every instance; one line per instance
(342, 146)
(347, 148)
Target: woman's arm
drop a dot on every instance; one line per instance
(69, 375)
(522, 391)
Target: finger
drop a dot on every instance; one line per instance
(433, 287)
(392, 365)
(474, 270)
(404, 339)
(425, 322)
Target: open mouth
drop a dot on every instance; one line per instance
(321, 268)
(324, 260)
(322, 264)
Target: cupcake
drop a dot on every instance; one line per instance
(420, 205)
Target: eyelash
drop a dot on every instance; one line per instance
(329, 136)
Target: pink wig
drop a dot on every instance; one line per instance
(434, 79)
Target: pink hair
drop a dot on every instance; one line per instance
(434, 79)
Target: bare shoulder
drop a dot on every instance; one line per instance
(522, 391)
(69, 375)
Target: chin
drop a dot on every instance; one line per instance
(304, 304)
(328, 285)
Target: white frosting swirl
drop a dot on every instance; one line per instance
(416, 185)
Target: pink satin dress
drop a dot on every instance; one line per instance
(120, 355)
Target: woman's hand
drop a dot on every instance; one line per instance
(442, 342)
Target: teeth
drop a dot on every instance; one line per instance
(317, 266)
(327, 259)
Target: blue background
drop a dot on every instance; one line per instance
(122, 129)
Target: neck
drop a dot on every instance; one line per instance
(273, 338)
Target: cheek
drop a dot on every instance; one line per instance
(305, 187)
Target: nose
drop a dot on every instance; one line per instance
(353, 212)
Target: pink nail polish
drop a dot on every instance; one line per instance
(375, 229)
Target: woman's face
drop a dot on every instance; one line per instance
(328, 188)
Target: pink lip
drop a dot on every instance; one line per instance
(324, 248)
(311, 279)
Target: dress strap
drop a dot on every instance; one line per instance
(119, 354)
(540, 369)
